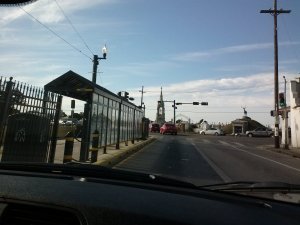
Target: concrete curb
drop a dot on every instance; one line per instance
(294, 152)
(116, 156)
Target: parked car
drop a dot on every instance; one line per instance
(168, 128)
(260, 132)
(154, 127)
(212, 131)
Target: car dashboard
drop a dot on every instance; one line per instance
(38, 198)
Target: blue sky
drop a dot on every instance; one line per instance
(215, 51)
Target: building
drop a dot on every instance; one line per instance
(160, 114)
(295, 114)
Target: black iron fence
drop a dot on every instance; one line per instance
(27, 116)
(29, 123)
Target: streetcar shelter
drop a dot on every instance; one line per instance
(112, 117)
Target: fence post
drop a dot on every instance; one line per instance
(133, 127)
(95, 143)
(119, 126)
(55, 129)
(4, 108)
(68, 153)
(85, 140)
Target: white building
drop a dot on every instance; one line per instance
(295, 113)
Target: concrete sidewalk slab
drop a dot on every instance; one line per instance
(294, 152)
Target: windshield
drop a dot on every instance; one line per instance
(83, 80)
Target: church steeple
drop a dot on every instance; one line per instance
(160, 115)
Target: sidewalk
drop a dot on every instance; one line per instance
(112, 156)
(294, 152)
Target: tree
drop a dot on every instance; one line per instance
(77, 116)
(62, 114)
(178, 121)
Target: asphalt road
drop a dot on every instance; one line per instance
(214, 159)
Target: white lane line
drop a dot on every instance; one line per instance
(239, 144)
(224, 143)
(220, 172)
(262, 157)
(206, 141)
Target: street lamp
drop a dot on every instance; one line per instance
(96, 62)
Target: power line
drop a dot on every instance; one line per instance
(76, 31)
(57, 35)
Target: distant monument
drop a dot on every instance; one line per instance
(245, 112)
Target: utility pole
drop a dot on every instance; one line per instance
(142, 96)
(276, 12)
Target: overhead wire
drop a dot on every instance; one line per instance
(76, 31)
(56, 34)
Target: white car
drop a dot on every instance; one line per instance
(212, 131)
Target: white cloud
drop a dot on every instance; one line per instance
(225, 98)
(195, 56)
(47, 11)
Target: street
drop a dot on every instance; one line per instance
(203, 159)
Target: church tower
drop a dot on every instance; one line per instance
(160, 115)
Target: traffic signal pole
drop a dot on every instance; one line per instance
(275, 12)
(174, 112)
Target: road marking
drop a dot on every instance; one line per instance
(262, 157)
(220, 172)
(224, 143)
(239, 144)
(206, 141)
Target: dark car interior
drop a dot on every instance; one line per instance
(56, 195)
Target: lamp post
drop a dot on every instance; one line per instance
(96, 62)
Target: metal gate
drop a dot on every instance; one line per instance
(28, 122)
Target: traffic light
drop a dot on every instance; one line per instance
(178, 103)
(281, 99)
(126, 95)
(204, 103)
(73, 104)
(195, 103)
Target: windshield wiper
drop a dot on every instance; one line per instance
(251, 185)
(90, 172)
(279, 191)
